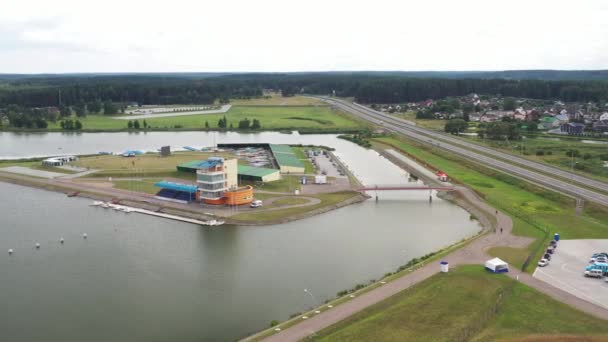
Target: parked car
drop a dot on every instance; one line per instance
(601, 260)
(550, 250)
(543, 262)
(595, 256)
(594, 273)
(256, 204)
(547, 256)
(553, 243)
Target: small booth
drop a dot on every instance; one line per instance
(445, 266)
(496, 265)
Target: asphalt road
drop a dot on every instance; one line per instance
(468, 150)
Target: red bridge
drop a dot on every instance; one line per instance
(406, 187)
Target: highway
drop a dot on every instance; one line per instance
(448, 143)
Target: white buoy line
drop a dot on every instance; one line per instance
(37, 245)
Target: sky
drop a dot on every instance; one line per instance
(62, 36)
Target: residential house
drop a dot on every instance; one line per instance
(572, 128)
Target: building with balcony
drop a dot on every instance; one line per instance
(214, 177)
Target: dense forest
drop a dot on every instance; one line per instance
(364, 87)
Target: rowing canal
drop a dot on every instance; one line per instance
(141, 278)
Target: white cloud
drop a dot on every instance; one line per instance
(273, 35)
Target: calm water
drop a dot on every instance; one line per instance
(139, 278)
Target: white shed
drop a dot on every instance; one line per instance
(496, 265)
(320, 179)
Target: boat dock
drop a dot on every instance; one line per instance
(127, 209)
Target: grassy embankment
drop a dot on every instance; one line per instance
(540, 147)
(550, 150)
(532, 208)
(466, 304)
(272, 117)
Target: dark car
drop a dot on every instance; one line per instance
(553, 243)
(547, 256)
(550, 250)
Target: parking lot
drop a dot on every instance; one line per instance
(567, 266)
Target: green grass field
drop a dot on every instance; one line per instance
(461, 305)
(144, 185)
(533, 206)
(275, 99)
(271, 118)
(326, 200)
(590, 161)
(308, 167)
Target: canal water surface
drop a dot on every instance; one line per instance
(140, 278)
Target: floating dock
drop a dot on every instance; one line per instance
(127, 209)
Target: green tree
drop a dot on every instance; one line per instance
(130, 124)
(80, 109)
(77, 125)
(206, 124)
(65, 111)
(136, 124)
(455, 126)
(508, 104)
(109, 108)
(256, 124)
(244, 124)
(145, 124)
(94, 107)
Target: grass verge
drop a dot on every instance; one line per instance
(467, 303)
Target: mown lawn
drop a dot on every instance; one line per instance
(271, 118)
(461, 303)
(535, 207)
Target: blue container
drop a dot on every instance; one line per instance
(556, 237)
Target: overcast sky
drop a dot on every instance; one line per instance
(248, 35)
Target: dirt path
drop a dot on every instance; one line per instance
(473, 253)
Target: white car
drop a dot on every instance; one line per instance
(256, 204)
(543, 262)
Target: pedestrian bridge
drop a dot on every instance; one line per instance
(384, 187)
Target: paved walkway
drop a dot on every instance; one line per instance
(20, 170)
(473, 253)
(223, 109)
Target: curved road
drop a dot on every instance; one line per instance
(428, 137)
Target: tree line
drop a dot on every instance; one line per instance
(109, 93)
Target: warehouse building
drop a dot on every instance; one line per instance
(258, 174)
(286, 159)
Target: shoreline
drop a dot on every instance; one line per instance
(486, 220)
(167, 208)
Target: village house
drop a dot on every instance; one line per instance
(572, 128)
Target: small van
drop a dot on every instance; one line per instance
(594, 273)
(256, 204)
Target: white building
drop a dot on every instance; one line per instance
(215, 176)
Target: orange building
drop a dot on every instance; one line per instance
(218, 184)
